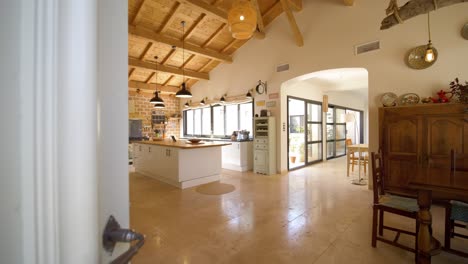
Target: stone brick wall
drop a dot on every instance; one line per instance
(140, 108)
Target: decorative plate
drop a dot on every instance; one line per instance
(415, 58)
(389, 99)
(464, 31)
(409, 99)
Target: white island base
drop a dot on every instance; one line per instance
(179, 164)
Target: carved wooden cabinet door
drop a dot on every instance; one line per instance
(445, 133)
(421, 137)
(401, 148)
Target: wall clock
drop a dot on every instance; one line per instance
(464, 31)
(261, 87)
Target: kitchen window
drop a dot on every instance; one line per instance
(219, 121)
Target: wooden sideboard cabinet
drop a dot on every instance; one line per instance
(420, 136)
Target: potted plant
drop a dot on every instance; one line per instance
(292, 151)
(460, 90)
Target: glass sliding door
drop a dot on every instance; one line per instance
(296, 133)
(314, 132)
(336, 132)
(304, 132)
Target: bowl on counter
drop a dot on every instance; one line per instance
(194, 140)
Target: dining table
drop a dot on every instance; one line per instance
(440, 184)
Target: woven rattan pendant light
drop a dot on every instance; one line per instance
(242, 19)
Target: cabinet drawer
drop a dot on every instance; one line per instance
(261, 141)
(261, 146)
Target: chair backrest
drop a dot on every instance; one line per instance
(377, 176)
(349, 142)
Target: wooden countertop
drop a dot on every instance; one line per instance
(184, 144)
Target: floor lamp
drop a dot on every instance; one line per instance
(351, 118)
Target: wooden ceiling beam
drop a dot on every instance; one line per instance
(131, 73)
(187, 61)
(195, 24)
(348, 2)
(214, 35)
(168, 57)
(292, 22)
(205, 66)
(272, 13)
(152, 87)
(205, 8)
(261, 27)
(138, 13)
(296, 5)
(150, 35)
(168, 80)
(145, 51)
(148, 80)
(171, 18)
(133, 62)
(228, 46)
(213, 11)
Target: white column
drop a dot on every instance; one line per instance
(76, 119)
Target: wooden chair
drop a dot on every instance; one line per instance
(407, 207)
(456, 213)
(354, 159)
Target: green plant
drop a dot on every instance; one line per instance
(460, 91)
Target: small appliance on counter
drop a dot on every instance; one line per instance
(243, 135)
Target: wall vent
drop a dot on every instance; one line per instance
(282, 67)
(366, 47)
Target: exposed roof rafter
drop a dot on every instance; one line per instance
(150, 35)
(152, 86)
(292, 22)
(133, 62)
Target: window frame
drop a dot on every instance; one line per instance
(227, 134)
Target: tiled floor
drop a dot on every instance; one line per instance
(311, 215)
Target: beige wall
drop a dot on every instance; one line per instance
(331, 30)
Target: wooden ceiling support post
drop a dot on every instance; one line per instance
(292, 22)
(296, 5)
(260, 25)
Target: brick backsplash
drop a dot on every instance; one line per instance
(141, 108)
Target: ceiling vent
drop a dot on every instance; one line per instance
(282, 67)
(366, 47)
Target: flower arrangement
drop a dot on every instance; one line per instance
(460, 90)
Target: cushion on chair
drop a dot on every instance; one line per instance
(399, 202)
(459, 211)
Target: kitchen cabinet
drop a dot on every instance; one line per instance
(178, 163)
(238, 156)
(420, 136)
(264, 145)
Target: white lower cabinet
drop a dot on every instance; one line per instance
(238, 156)
(264, 145)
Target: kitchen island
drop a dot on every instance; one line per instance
(180, 163)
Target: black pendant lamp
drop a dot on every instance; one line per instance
(186, 105)
(183, 92)
(222, 100)
(248, 95)
(156, 100)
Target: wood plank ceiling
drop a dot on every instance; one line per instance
(155, 30)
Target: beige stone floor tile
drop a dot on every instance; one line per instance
(310, 215)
